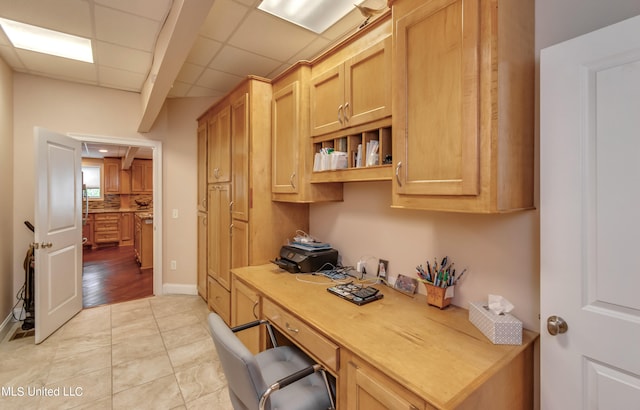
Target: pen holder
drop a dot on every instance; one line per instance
(437, 296)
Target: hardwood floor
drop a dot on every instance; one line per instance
(111, 275)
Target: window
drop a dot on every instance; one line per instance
(92, 179)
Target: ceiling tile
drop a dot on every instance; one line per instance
(222, 20)
(154, 9)
(204, 92)
(116, 27)
(123, 58)
(179, 89)
(190, 73)
(67, 16)
(250, 3)
(242, 63)
(349, 24)
(312, 50)
(279, 39)
(121, 79)
(219, 81)
(203, 51)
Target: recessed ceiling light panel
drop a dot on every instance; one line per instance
(42, 40)
(314, 15)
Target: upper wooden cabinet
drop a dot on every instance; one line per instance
(219, 146)
(463, 79)
(141, 176)
(292, 151)
(354, 92)
(112, 175)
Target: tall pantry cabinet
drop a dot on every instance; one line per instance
(243, 226)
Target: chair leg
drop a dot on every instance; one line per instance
(328, 386)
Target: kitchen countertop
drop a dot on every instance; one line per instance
(104, 211)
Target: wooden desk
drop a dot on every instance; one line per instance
(397, 352)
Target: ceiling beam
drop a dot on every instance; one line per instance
(129, 157)
(176, 37)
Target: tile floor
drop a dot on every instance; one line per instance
(153, 353)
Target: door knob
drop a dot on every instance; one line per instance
(556, 324)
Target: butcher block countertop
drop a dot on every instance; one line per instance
(438, 355)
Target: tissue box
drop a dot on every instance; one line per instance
(500, 329)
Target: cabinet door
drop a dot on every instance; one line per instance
(239, 244)
(245, 308)
(202, 254)
(219, 147)
(368, 85)
(142, 176)
(112, 175)
(327, 101)
(240, 157)
(148, 176)
(436, 125)
(126, 228)
(202, 166)
(219, 238)
(368, 389)
(285, 139)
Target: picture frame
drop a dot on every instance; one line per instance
(383, 269)
(406, 284)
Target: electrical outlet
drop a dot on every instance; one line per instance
(173, 265)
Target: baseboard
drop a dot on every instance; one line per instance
(5, 327)
(179, 289)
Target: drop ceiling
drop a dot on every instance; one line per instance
(130, 40)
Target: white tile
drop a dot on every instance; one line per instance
(126, 29)
(279, 39)
(242, 63)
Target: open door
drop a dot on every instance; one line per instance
(58, 231)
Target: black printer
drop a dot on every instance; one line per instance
(294, 260)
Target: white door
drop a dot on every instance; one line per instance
(58, 231)
(590, 220)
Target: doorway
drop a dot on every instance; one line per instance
(109, 266)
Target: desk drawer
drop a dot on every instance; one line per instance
(305, 336)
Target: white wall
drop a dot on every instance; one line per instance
(500, 251)
(87, 110)
(6, 187)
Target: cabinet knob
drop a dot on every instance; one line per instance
(340, 114)
(346, 112)
(291, 329)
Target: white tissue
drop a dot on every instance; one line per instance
(498, 304)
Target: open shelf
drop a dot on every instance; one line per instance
(355, 167)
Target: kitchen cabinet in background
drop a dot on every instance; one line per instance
(126, 228)
(142, 176)
(111, 175)
(143, 240)
(106, 228)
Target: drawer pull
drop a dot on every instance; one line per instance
(291, 329)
